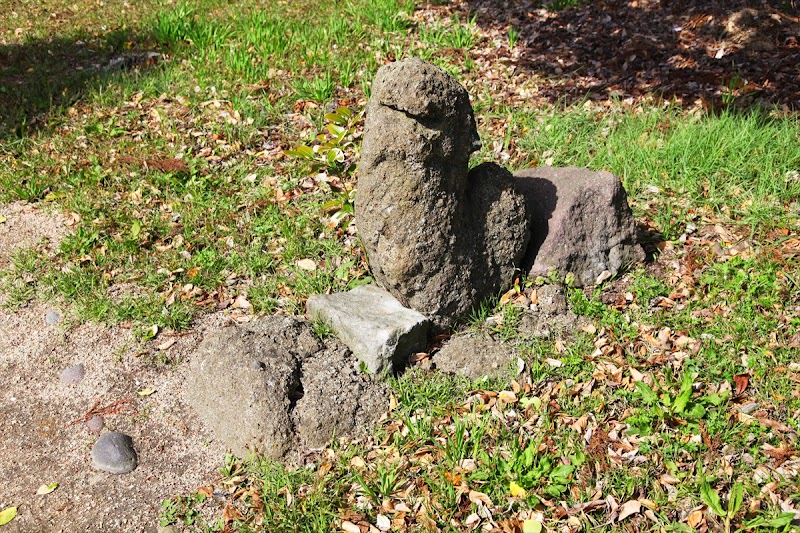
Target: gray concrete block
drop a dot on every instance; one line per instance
(376, 327)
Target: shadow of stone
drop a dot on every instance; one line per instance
(649, 237)
(39, 79)
(690, 50)
(541, 198)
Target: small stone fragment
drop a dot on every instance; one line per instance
(52, 318)
(748, 408)
(114, 453)
(371, 322)
(95, 424)
(73, 374)
(551, 300)
(550, 315)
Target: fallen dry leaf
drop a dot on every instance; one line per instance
(231, 513)
(741, 381)
(516, 491)
(629, 508)
(507, 396)
(46, 489)
(166, 344)
(7, 515)
(695, 518)
(306, 264)
(475, 497)
(350, 527)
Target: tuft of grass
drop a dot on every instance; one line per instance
(453, 34)
(322, 329)
(319, 89)
(672, 164)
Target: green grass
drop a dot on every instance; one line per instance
(179, 175)
(736, 166)
(451, 34)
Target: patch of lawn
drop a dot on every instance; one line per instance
(190, 192)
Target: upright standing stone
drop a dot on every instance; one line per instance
(438, 237)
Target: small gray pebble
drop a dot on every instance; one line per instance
(748, 408)
(95, 424)
(52, 318)
(73, 374)
(114, 453)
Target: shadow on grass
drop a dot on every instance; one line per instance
(735, 53)
(42, 78)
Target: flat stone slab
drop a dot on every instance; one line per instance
(114, 453)
(376, 327)
(582, 223)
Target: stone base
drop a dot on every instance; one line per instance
(271, 386)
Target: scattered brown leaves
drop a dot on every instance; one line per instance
(700, 53)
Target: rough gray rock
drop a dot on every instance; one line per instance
(73, 374)
(244, 379)
(439, 238)
(114, 453)
(373, 324)
(338, 399)
(249, 384)
(581, 223)
(474, 356)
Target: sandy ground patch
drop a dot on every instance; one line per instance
(23, 225)
(40, 444)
